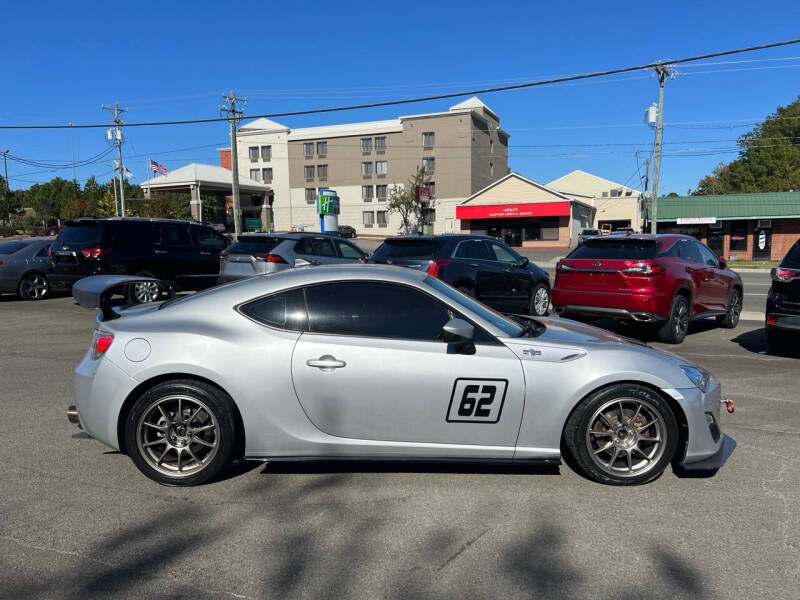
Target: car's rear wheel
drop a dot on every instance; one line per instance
(181, 432)
(731, 317)
(144, 291)
(677, 325)
(625, 434)
(540, 300)
(34, 286)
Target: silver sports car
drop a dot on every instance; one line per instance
(379, 362)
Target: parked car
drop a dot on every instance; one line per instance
(783, 302)
(605, 228)
(263, 253)
(586, 234)
(185, 253)
(623, 230)
(663, 279)
(23, 268)
(370, 362)
(347, 231)
(478, 265)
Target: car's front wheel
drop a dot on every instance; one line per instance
(624, 434)
(731, 317)
(34, 286)
(182, 432)
(540, 300)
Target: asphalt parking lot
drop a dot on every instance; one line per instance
(79, 521)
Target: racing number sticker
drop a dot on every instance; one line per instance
(477, 400)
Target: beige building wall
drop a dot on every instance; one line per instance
(591, 189)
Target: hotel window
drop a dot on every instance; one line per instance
(255, 174)
(308, 149)
(266, 175)
(380, 144)
(429, 164)
(381, 168)
(322, 171)
(253, 151)
(432, 187)
(366, 193)
(266, 153)
(428, 140)
(309, 172)
(381, 192)
(366, 145)
(311, 195)
(369, 218)
(322, 148)
(366, 169)
(381, 218)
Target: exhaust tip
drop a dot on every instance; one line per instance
(72, 415)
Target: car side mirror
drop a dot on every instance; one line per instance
(301, 262)
(524, 262)
(723, 263)
(460, 333)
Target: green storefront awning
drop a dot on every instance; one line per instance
(770, 205)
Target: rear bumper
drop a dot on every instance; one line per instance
(63, 280)
(618, 305)
(785, 322)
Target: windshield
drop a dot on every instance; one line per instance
(11, 247)
(406, 248)
(591, 232)
(81, 233)
(508, 327)
(621, 248)
(792, 259)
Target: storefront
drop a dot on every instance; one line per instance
(524, 213)
(737, 226)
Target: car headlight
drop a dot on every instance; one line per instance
(698, 376)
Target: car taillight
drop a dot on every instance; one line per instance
(643, 270)
(100, 343)
(784, 274)
(436, 264)
(562, 268)
(94, 253)
(273, 258)
(772, 319)
(49, 251)
(223, 254)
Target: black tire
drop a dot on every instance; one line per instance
(779, 341)
(731, 317)
(34, 286)
(539, 307)
(677, 325)
(577, 437)
(216, 409)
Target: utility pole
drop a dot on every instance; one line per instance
(7, 215)
(663, 73)
(115, 110)
(646, 185)
(234, 114)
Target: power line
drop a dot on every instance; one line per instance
(529, 84)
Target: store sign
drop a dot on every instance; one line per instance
(252, 223)
(697, 220)
(423, 194)
(327, 202)
(500, 211)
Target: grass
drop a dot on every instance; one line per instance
(767, 264)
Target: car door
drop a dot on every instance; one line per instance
(317, 250)
(516, 280)
(717, 283)
(207, 245)
(176, 259)
(349, 252)
(699, 274)
(373, 366)
(488, 281)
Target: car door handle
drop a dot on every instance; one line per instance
(326, 363)
(474, 265)
(160, 251)
(205, 253)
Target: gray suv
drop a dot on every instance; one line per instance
(264, 253)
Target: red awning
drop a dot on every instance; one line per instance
(499, 211)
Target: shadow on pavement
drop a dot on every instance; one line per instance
(755, 341)
(320, 467)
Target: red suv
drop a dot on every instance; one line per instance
(665, 279)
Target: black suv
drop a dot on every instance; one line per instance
(783, 302)
(477, 265)
(185, 253)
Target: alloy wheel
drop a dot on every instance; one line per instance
(541, 301)
(146, 291)
(735, 309)
(178, 435)
(34, 286)
(681, 321)
(626, 437)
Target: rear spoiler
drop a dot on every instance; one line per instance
(96, 291)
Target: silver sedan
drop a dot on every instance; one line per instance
(380, 362)
(23, 267)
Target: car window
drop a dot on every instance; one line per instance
(208, 238)
(41, 252)
(474, 249)
(286, 310)
(84, 233)
(620, 248)
(253, 245)
(505, 255)
(792, 258)
(11, 247)
(348, 250)
(689, 253)
(303, 246)
(130, 233)
(322, 247)
(706, 256)
(175, 236)
(374, 309)
(406, 248)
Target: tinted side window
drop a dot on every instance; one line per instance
(348, 250)
(303, 246)
(209, 239)
(175, 236)
(706, 255)
(42, 252)
(504, 254)
(370, 309)
(128, 234)
(87, 233)
(792, 258)
(322, 247)
(286, 310)
(689, 253)
(11, 247)
(475, 249)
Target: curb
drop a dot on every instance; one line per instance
(752, 315)
(746, 270)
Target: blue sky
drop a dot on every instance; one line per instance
(172, 60)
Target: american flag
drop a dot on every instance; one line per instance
(157, 168)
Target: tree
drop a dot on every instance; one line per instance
(769, 158)
(403, 201)
(106, 207)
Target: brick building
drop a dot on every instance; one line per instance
(737, 226)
